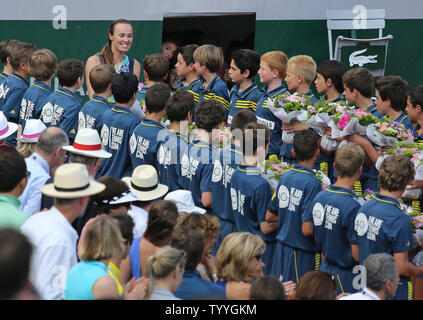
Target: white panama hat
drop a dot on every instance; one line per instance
(32, 131)
(6, 128)
(88, 143)
(184, 201)
(72, 181)
(145, 183)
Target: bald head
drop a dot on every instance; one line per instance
(51, 139)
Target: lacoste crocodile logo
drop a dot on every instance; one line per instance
(361, 60)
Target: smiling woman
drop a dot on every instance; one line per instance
(120, 37)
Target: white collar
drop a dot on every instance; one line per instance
(60, 218)
(369, 293)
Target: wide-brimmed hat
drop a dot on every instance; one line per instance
(6, 128)
(32, 131)
(184, 201)
(145, 183)
(88, 143)
(72, 181)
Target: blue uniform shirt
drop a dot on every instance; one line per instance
(3, 77)
(61, 110)
(250, 195)
(216, 90)
(193, 287)
(118, 124)
(197, 169)
(145, 142)
(293, 203)
(266, 117)
(340, 98)
(246, 99)
(11, 92)
(92, 112)
(169, 157)
(382, 227)
(193, 88)
(334, 213)
(33, 101)
(224, 166)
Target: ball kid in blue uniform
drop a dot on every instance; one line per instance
(43, 66)
(245, 93)
(189, 79)
(101, 77)
(198, 158)
(251, 192)
(291, 207)
(14, 86)
(169, 155)
(382, 227)
(5, 47)
(300, 73)
(224, 166)
(208, 61)
(150, 132)
(63, 106)
(334, 213)
(118, 124)
(272, 71)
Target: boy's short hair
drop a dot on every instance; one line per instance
(416, 96)
(5, 47)
(12, 170)
(156, 66)
(69, 71)
(210, 56)
(42, 64)
(267, 288)
(395, 89)
(276, 60)
(101, 77)
(187, 53)
(209, 114)
(178, 105)
(333, 70)
(348, 159)
(303, 65)
(395, 173)
(242, 118)
(305, 145)
(20, 53)
(124, 86)
(254, 135)
(156, 97)
(360, 79)
(247, 59)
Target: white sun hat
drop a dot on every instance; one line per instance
(6, 128)
(72, 181)
(32, 131)
(184, 201)
(88, 143)
(145, 183)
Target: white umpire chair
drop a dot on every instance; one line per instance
(368, 19)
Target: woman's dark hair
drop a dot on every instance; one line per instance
(106, 53)
(126, 225)
(114, 188)
(12, 170)
(316, 285)
(162, 219)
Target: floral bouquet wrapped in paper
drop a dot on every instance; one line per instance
(387, 133)
(351, 121)
(273, 171)
(324, 179)
(223, 138)
(287, 107)
(320, 114)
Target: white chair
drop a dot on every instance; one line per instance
(369, 19)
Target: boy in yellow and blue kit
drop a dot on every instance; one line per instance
(245, 93)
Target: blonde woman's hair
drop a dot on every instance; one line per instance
(234, 254)
(303, 65)
(209, 224)
(25, 149)
(210, 56)
(276, 60)
(102, 240)
(162, 264)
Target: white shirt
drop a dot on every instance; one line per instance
(366, 294)
(40, 173)
(140, 217)
(54, 240)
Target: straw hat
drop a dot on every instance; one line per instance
(145, 183)
(71, 181)
(88, 143)
(184, 201)
(32, 131)
(6, 128)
